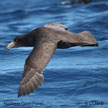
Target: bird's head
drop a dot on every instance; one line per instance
(17, 42)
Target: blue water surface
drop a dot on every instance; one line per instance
(75, 76)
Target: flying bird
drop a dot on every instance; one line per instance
(45, 40)
(73, 2)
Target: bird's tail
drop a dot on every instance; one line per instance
(88, 39)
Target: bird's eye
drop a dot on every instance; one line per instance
(66, 28)
(16, 40)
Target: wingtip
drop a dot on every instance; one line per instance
(97, 45)
(19, 94)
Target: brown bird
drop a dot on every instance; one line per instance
(45, 40)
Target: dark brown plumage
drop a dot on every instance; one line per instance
(45, 40)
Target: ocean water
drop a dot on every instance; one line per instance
(76, 77)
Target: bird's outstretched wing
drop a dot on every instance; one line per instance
(34, 66)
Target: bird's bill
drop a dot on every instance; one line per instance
(10, 45)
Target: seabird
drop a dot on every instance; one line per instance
(72, 2)
(45, 40)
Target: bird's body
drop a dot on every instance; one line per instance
(45, 40)
(63, 39)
